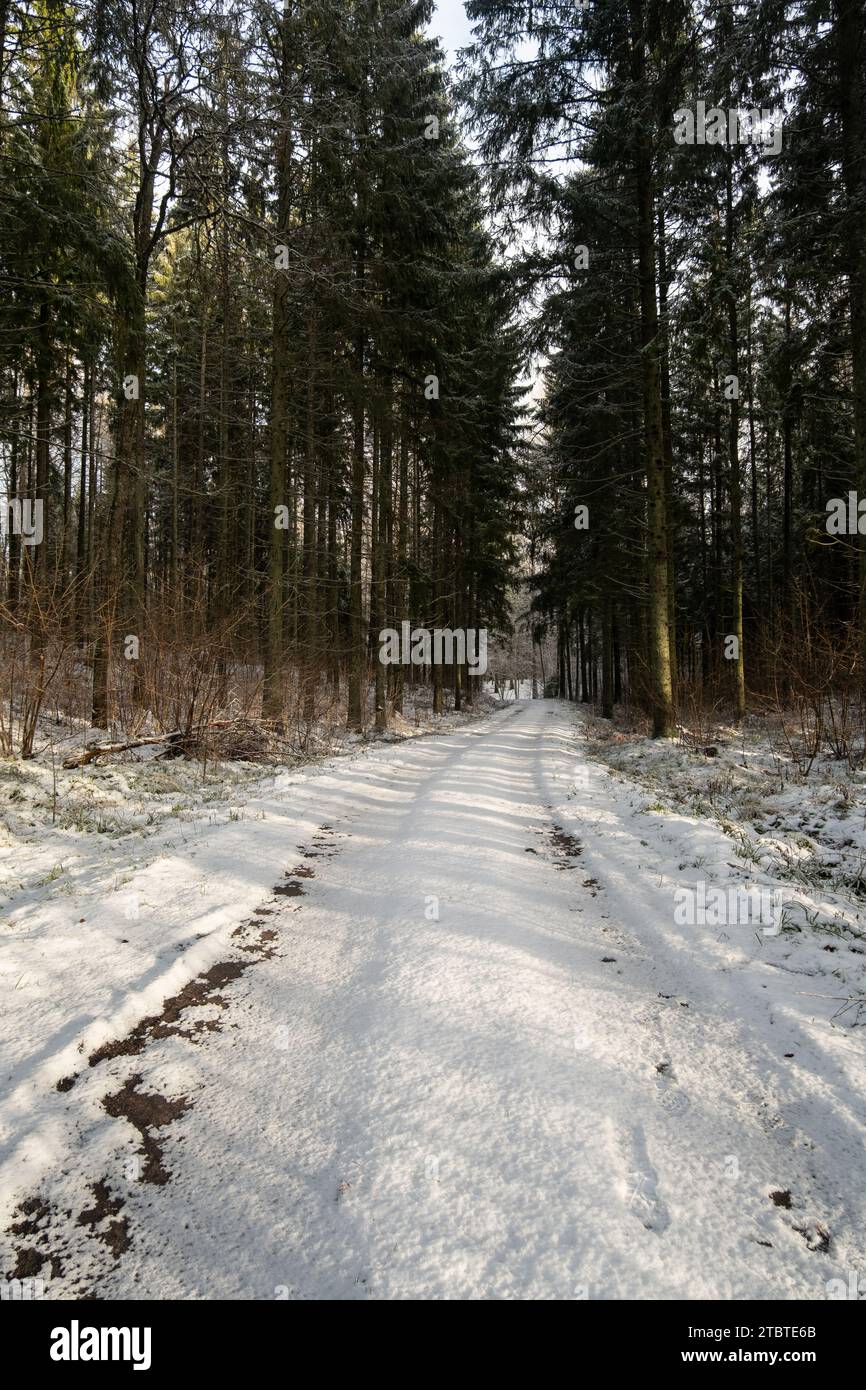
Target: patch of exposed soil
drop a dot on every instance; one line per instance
(36, 1211)
(116, 1234)
(320, 846)
(566, 847)
(204, 989)
(266, 936)
(146, 1111)
(30, 1261)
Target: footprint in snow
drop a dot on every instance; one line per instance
(639, 1180)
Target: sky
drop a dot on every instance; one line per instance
(451, 26)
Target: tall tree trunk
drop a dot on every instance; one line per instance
(15, 490)
(38, 558)
(68, 405)
(850, 25)
(657, 540)
(274, 654)
(81, 522)
(788, 476)
(380, 557)
(402, 541)
(667, 435)
(734, 451)
(110, 585)
(309, 615)
(753, 461)
(357, 638)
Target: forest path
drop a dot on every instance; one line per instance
(483, 1061)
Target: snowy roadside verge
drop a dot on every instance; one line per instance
(737, 814)
(657, 819)
(747, 1039)
(742, 814)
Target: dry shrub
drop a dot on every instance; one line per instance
(817, 683)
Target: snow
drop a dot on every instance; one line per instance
(484, 1061)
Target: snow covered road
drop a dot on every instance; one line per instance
(475, 1057)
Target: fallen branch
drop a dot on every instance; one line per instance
(233, 738)
(96, 750)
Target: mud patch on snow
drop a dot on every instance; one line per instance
(265, 938)
(566, 847)
(35, 1211)
(105, 1207)
(50, 1244)
(203, 990)
(200, 991)
(321, 846)
(30, 1262)
(146, 1112)
(292, 889)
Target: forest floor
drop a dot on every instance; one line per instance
(422, 1022)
